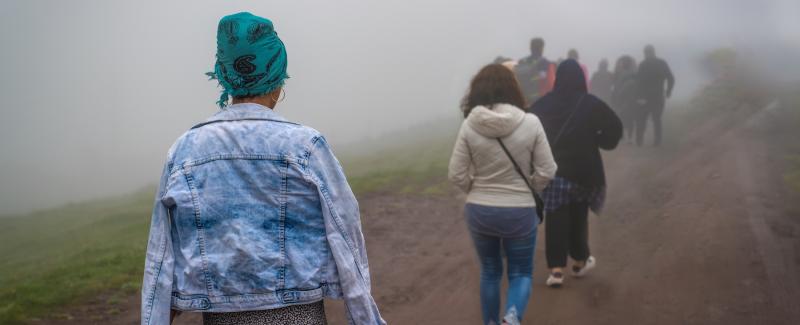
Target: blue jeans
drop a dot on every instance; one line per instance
(518, 251)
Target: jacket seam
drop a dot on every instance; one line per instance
(328, 205)
(340, 227)
(337, 220)
(308, 149)
(202, 124)
(197, 296)
(151, 297)
(282, 226)
(200, 229)
(234, 156)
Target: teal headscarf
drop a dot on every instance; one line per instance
(251, 59)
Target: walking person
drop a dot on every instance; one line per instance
(500, 156)
(602, 82)
(654, 74)
(624, 95)
(535, 73)
(577, 125)
(254, 221)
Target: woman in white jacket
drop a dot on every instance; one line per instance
(500, 208)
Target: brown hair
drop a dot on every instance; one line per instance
(494, 84)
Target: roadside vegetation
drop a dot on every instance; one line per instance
(791, 102)
(738, 93)
(56, 257)
(416, 168)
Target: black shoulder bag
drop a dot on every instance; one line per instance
(536, 197)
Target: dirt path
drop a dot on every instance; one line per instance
(693, 234)
(697, 233)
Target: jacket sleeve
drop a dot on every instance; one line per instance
(670, 79)
(343, 231)
(159, 262)
(543, 165)
(609, 127)
(460, 161)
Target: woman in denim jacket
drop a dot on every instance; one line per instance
(254, 222)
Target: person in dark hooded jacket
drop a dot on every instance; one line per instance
(624, 94)
(655, 85)
(602, 81)
(577, 125)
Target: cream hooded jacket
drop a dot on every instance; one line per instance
(479, 166)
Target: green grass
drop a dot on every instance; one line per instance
(60, 257)
(791, 100)
(410, 161)
(792, 177)
(56, 257)
(412, 168)
(789, 124)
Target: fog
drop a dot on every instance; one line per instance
(94, 92)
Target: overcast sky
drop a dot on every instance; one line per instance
(93, 93)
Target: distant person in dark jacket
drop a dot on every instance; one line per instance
(624, 94)
(653, 74)
(535, 73)
(602, 82)
(577, 125)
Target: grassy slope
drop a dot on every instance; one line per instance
(410, 168)
(61, 256)
(411, 160)
(791, 100)
(722, 100)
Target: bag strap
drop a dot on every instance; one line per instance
(536, 198)
(518, 169)
(569, 119)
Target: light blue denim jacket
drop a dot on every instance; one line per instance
(254, 212)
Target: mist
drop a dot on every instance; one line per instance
(94, 92)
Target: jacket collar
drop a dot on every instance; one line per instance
(496, 122)
(244, 111)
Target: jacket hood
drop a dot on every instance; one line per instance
(497, 122)
(570, 79)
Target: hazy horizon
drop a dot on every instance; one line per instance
(95, 92)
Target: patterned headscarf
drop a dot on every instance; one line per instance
(251, 59)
